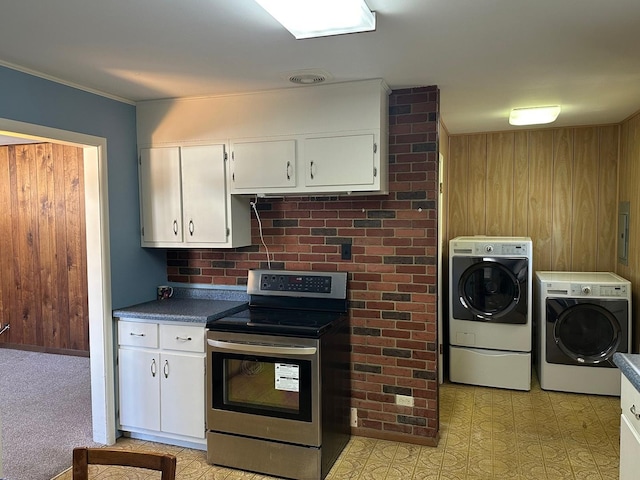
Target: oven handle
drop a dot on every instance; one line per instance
(266, 349)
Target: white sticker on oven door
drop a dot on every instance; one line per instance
(287, 377)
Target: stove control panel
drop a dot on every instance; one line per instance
(296, 283)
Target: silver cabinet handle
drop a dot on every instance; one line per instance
(288, 172)
(633, 410)
(311, 170)
(136, 334)
(165, 369)
(175, 227)
(191, 228)
(183, 339)
(264, 349)
(153, 367)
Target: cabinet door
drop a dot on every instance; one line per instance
(629, 451)
(341, 161)
(257, 166)
(182, 394)
(160, 194)
(204, 194)
(139, 375)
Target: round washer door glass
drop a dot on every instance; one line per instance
(489, 289)
(588, 333)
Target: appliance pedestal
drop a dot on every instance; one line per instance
(490, 368)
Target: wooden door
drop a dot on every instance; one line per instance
(43, 268)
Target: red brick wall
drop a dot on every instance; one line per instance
(392, 273)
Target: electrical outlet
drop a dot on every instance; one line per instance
(354, 417)
(345, 251)
(404, 400)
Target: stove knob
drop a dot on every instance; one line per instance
(586, 290)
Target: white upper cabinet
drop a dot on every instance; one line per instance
(304, 140)
(256, 165)
(184, 199)
(160, 194)
(348, 161)
(204, 194)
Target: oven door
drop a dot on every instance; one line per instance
(264, 386)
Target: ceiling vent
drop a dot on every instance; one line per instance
(308, 77)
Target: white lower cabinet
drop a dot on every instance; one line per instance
(161, 380)
(629, 451)
(629, 431)
(139, 389)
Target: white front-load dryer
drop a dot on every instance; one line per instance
(490, 311)
(582, 319)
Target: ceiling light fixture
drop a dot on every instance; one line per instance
(534, 115)
(321, 18)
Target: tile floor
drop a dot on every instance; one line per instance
(485, 434)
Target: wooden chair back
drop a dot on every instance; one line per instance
(83, 457)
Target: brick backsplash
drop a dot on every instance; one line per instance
(392, 272)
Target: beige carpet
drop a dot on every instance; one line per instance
(45, 405)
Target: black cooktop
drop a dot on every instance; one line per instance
(285, 322)
(289, 303)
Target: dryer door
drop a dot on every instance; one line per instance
(491, 290)
(584, 332)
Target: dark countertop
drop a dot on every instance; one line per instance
(629, 364)
(189, 305)
(182, 310)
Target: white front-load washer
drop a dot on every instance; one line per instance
(490, 311)
(582, 319)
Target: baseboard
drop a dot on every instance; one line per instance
(35, 348)
(396, 437)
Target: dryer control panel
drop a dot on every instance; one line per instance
(595, 290)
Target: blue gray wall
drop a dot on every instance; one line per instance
(25, 98)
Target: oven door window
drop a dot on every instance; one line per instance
(267, 386)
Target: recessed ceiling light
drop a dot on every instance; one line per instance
(534, 115)
(321, 18)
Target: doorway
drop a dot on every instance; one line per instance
(98, 265)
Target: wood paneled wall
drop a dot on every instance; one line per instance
(557, 186)
(43, 282)
(629, 192)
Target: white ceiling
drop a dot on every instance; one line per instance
(486, 56)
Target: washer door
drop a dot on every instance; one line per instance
(584, 333)
(493, 290)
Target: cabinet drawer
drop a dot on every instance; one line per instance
(185, 338)
(138, 334)
(630, 403)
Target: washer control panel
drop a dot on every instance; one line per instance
(511, 249)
